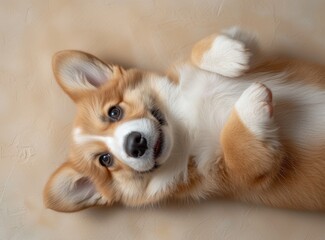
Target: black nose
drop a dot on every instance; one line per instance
(135, 145)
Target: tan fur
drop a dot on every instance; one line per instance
(52, 201)
(278, 177)
(173, 75)
(192, 186)
(261, 161)
(47, 195)
(301, 174)
(308, 72)
(200, 48)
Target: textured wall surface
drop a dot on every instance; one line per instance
(35, 115)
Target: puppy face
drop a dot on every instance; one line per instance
(121, 134)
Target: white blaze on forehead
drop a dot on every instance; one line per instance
(110, 142)
(80, 138)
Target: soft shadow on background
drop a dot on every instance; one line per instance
(35, 116)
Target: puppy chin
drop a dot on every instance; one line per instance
(148, 167)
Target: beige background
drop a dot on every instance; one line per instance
(35, 116)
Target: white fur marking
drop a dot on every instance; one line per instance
(80, 138)
(226, 56)
(255, 109)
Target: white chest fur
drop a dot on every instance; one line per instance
(203, 101)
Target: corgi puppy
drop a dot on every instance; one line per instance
(226, 123)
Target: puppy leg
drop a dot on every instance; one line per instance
(251, 148)
(229, 54)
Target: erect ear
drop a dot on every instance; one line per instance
(67, 191)
(77, 72)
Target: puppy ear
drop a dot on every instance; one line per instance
(67, 191)
(77, 72)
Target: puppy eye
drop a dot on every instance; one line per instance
(115, 113)
(106, 160)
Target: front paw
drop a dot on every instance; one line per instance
(229, 57)
(255, 109)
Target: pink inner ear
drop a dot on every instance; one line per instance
(93, 81)
(96, 75)
(84, 189)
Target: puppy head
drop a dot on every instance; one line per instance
(120, 135)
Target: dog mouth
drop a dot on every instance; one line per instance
(159, 145)
(159, 116)
(157, 150)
